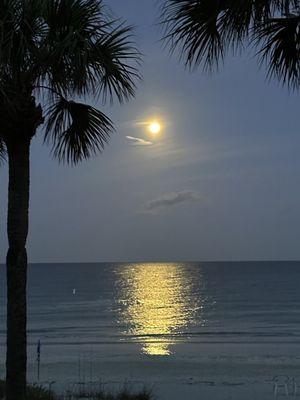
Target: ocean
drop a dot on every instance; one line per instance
(209, 324)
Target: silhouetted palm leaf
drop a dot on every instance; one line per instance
(110, 57)
(205, 30)
(193, 27)
(76, 130)
(65, 49)
(281, 49)
(89, 53)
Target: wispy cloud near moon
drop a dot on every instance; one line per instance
(135, 141)
(169, 200)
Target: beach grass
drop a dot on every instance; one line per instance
(123, 394)
(36, 392)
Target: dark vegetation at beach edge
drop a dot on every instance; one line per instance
(36, 392)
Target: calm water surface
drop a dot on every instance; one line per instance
(159, 307)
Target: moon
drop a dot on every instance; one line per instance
(154, 127)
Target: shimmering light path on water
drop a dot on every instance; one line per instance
(156, 304)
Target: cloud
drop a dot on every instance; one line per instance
(170, 200)
(138, 141)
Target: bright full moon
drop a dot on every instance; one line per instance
(154, 127)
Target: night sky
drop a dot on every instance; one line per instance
(220, 183)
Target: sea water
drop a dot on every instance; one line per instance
(123, 321)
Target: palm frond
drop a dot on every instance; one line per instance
(71, 25)
(65, 17)
(90, 53)
(111, 63)
(281, 49)
(68, 49)
(205, 30)
(76, 130)
(21, 30)
(193, 28)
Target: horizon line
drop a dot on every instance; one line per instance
(165, 262)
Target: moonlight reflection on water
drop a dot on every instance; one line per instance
(156, 305)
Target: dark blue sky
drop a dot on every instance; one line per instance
(221, 183)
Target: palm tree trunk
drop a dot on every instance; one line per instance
(16, 263)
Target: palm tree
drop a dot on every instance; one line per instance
(205, 31)
(52, 51)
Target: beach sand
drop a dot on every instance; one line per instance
(206, 371)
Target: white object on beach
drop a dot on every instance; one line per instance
(74, 291)
(296, 386)
(281, 381)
